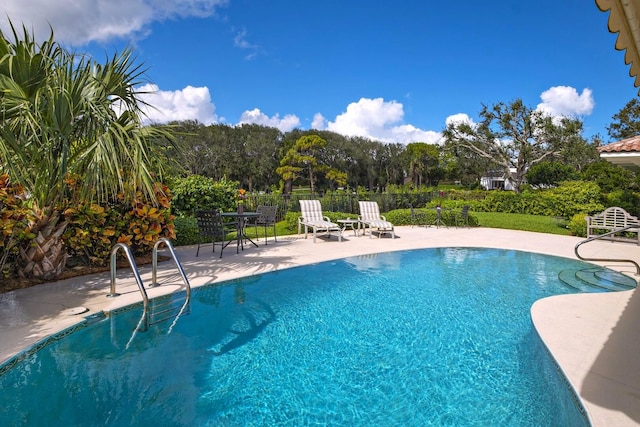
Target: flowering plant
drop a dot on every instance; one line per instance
(241, 193)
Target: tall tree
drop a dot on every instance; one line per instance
(626, 121)
(423, 160)
(63, 113)
(513, 137)
(303, 157)
(259, 162)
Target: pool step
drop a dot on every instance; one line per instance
(596, 279)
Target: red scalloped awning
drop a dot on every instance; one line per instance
(624, 19)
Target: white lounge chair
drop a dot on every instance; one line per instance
(311, 217)
(370, 218)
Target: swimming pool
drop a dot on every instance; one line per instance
(423, 337)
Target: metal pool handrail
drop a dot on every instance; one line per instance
(144, 321)
(601, 236)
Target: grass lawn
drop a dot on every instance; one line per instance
(524, 222)
(510, 221)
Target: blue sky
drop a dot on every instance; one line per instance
(395, 71)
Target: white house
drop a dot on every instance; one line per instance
(497, 180)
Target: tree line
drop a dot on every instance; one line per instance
(510, 139)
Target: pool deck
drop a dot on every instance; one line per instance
(595, 338)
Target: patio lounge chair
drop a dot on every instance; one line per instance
(311, 217)
(370, 218)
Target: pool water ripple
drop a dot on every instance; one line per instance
(415, 338)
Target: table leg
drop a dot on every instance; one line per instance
(243, 234)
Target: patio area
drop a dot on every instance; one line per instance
(594, 337)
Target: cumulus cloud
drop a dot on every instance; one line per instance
(255, 116)
(380, 120)
(190, 103)
(79, 22)
(194, 103)
(319, 122)
(460, 118)
(565, 101)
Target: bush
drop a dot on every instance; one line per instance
(448, 217)
(14, 222)
(186, 231)
(578, 225)
(94, 229)
(569, 198)
(626, 199)
(199, 192)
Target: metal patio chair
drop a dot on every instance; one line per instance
(266, 219)
(213, 227)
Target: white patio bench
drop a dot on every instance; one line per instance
(611, 219)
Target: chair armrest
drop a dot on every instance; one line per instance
(383, 218)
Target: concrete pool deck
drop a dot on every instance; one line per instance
(594, 337)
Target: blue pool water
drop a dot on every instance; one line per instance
(427, 337)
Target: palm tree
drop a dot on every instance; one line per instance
(64, 114)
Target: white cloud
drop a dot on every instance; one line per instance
(241, 42)
(380, 120)
(256, 116)
(319, 122)
(190, 103)
(459, 118)
(79, 22)
(565, 101)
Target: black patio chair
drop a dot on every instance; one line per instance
(463, 216)
(418, 217)
(266, 219)
(212, 227)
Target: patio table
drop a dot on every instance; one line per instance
(241, 229)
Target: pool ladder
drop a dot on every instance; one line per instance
(163, 308)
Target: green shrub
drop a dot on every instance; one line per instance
(291, 221)
(573, 197)
(199, 192)
(578, 225)
(626, 199)
(186, 228)
(94, 229)
(15, 216)
(569, 198)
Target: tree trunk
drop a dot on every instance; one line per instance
(312, 181)
(288, 186)
(45, 256)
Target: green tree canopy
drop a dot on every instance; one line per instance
(608, 176)
(550, 174)
(303, 157)
(626, 122)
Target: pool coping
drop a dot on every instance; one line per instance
(583, 334)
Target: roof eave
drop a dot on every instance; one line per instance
(624, 19)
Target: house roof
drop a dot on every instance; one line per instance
(624, 19)
(625, 153)
(628, 145)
